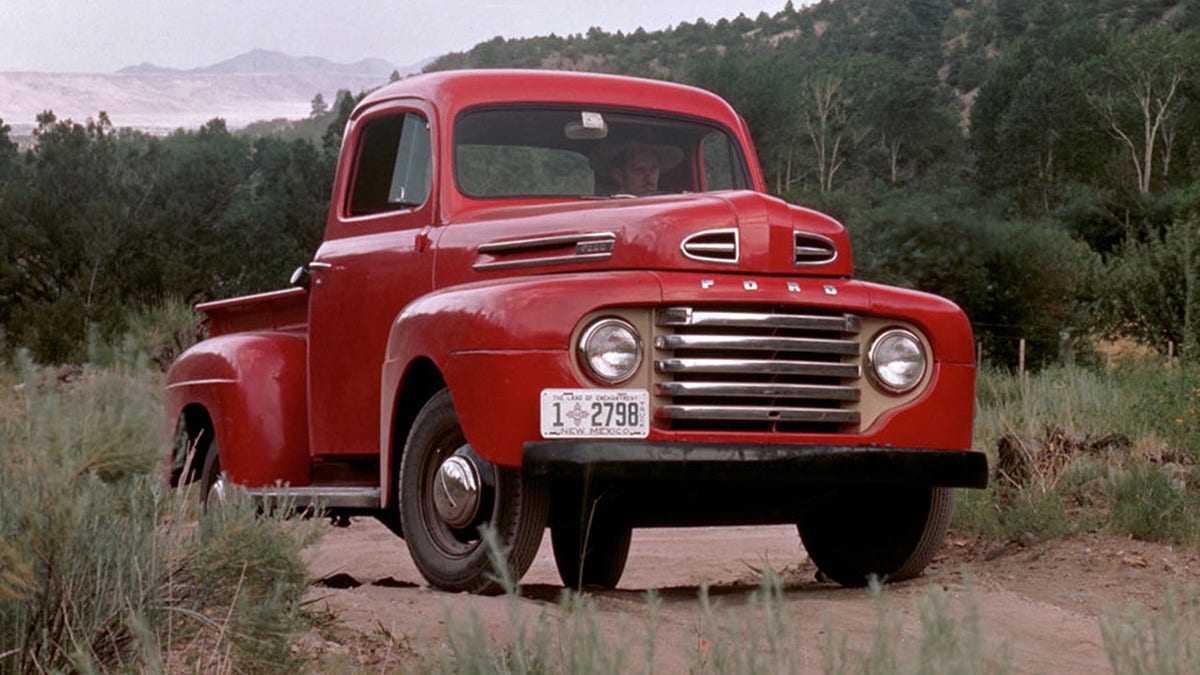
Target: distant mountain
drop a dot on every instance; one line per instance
(257, 85)
(145, 68)
(264, 61)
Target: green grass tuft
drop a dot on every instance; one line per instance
(101, 567)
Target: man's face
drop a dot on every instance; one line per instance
(639, 175)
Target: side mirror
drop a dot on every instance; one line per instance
(302, 277)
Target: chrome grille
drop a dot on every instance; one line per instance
(813, 249)
(770, 370)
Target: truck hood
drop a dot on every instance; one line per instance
(734, 231)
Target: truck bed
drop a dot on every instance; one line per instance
(283, 310)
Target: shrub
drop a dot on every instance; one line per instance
(1149, 504)
(100, 568)
(1168, 643)
(1073, 450)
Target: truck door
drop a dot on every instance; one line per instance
(373, 262)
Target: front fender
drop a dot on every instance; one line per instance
(497, 345)
(253, 386)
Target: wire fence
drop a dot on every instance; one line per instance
(1019, 351)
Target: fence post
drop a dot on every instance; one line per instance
(1021, 356)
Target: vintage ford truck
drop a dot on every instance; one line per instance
(566, 300)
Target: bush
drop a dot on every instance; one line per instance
(102, 569)
(1014, 279)
(78, 516)
(1149, 504)
(1074, 450)
(1166, 644)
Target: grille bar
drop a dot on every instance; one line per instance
(683, 316)
(758, 390)
(754, 343)
(759, 414)
(758, 367)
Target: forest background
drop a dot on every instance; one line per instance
(1038, 162)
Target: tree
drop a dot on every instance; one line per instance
(824, 112)
(1031, 139)
(1153, 288)
(8, 151)
(319, 106)
(903, 109)
(331, 140)
(1143, 72)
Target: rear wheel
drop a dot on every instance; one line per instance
(448, 493)
(891, 532)
(213, 486)
(590, 544)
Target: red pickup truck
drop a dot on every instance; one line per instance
(567, 300)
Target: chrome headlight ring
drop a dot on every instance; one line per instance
(897, 361)
(610, 350)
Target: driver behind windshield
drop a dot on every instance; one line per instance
(635, 167)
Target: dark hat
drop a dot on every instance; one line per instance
(608, 154)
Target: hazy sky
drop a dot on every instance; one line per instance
(106, 35)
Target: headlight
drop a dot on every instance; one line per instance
(897, 360)
(611, 350)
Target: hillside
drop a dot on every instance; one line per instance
(952, 39)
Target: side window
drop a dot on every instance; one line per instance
(722, 168)
(394, 169)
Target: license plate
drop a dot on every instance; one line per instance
(595, 413)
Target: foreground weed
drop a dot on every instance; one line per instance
(100, 568)
(761, 635)
(78, 516)
(951, 642)
(1168, 644)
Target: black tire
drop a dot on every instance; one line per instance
(514, 506)
(590, 545)
(890, 532)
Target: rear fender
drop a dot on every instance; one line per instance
(253, 388)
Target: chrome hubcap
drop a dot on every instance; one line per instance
(219, 492)
(456, 491)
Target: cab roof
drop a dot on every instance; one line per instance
(455, 90)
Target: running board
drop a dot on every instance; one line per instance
(337, 497)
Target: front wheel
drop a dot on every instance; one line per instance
(890, 532)
(448, 493)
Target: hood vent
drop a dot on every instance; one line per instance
(550, 250)
(719, 246)
(813, 249)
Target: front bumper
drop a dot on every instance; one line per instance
(754, 463)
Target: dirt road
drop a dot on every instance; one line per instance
(1039, 604)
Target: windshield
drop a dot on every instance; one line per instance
(531, 152)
